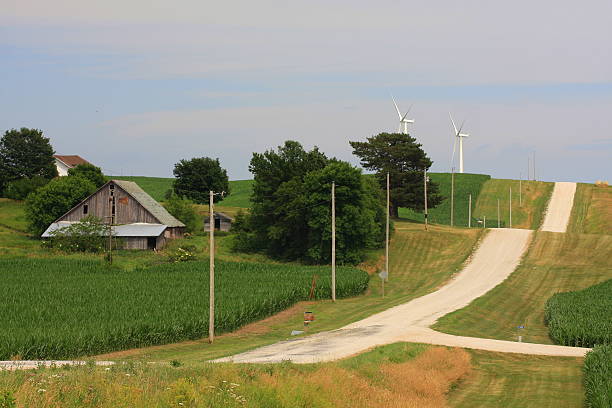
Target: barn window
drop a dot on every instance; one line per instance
(112, 189)
(85, 209)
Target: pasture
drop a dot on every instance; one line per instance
(55, 308)
(592, 211)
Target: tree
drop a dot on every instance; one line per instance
(183, 210)
(19, 189)
(50, 202)
(291, 208)
(90, 172)
(195, 178)
(25, 153)
(404, 159)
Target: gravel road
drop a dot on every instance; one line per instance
(559, 208)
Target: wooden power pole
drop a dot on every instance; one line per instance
(211, 295)
(452, 197)
(425, 184)
(333, 216)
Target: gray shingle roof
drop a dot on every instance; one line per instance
(155, 208)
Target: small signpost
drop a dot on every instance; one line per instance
(520, 337)
(383, 275)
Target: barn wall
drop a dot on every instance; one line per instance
(127, 210)
(135, 242)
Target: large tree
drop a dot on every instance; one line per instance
(25, 153)
(291, 207)
(195, 178)
(403, 158)
(90, 172)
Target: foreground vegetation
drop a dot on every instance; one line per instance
(69, 308)
(581, 318)
(554, 263)
(598, 377)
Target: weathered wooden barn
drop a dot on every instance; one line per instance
(136, 217)
(223, 222)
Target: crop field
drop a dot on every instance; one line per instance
(156, 187)
(597, 377)
(465, 184)
(529, 201)
(62, 308)
(592, 211)
(581, 318)
(554, 263)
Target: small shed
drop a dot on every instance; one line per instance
(65, 162)
(223, 222)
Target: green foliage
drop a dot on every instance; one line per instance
(465, 184)
(63, 308)
(53, 200)
(19, 189)
(25, 153)
(184, 211)
(89, 172)
(196, 177)
(7, 400)
(582, 318)
(88, 235)
(291, 208)
(184, 253)
(404, 159)
(598, 377)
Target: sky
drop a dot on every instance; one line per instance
(135, 86)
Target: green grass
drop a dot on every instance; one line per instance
(12, 215)
(54, 309)
(156, 187)
(465, 184)
(520, 381)
(592, 211)
(581, 318)
(554, 263)
(527, 210)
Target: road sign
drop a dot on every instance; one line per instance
(383, 274)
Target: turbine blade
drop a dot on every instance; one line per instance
(461, 127)
(455, 127)
(396, 108)
(407, 113)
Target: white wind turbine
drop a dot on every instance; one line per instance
(460, 136)
(403, 122)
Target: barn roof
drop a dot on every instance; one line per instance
(155, 208)
(71, 160)
(137, 229)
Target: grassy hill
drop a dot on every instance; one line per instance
(592, 211)
(465, 184)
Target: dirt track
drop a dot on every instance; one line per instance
(495, 259)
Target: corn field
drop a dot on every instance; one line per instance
(582, 318)
(54, 309)
(598, 377)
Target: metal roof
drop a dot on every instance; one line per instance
(137, 229)
(155, 208)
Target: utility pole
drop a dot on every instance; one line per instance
(333, 215)
(528, 169)
(211, 295)
(387, 233)
(510, 204)
(520, 189)
(470, 211)
(484, 222)
(498, 216)
(425, 184)
(452, 196)
(534, 171)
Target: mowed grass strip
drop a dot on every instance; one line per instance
(527, 210)
(519, 381)
(55, 309)
(465, 184)
(592, 211)
(554, 263)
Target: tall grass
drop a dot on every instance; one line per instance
(582, 318)
(66, 308)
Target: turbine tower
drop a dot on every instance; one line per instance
(460, 136)
(403, 122)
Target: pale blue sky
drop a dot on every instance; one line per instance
(134, 88)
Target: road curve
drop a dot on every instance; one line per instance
(559, 207)
(495, 259)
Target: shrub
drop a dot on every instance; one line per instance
(598, 377)
(581, 318)
(51, 201)
(183, 254)
(88, 235)
(19, 189)
(183, 209)
(89, 172)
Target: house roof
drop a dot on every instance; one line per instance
(155, 208)
(217, 214)
(137, 229)
(71, 160)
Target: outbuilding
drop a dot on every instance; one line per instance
(223, 222)
(135, 216)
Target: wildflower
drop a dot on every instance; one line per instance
(42, 390)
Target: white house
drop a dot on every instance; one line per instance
(63, 163)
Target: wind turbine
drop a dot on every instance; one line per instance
(460, 136)
(403, 122)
